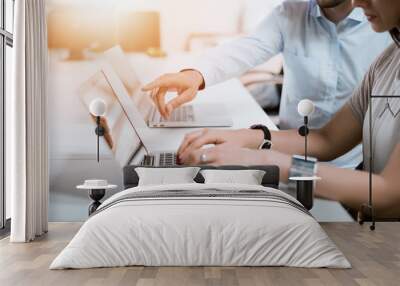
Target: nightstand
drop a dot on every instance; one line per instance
(97, 190)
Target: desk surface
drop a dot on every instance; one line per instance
(375, 258)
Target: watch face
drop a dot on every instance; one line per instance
(302, 158)
(266, 145)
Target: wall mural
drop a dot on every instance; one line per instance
(149, 38)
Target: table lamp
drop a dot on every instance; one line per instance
(305, 108)
(368, 208)
(98, 109)
(304, 185)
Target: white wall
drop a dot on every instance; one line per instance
(255, 10)
(180, 18)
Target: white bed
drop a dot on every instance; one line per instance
(267, 229)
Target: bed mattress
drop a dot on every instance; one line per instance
(201, 225)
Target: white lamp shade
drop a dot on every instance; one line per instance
(98, 107)
(306, 107)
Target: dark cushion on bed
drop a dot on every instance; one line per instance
(271, 177)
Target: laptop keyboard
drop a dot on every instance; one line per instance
(184, 113)
(148, 160)
(166, 159)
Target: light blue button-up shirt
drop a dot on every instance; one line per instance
(323, 61)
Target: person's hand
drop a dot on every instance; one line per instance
(185, 83)
(225, 154)
(194, 141)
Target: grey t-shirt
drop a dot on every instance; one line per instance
(382, 79)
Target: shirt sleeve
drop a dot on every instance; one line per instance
(234, 58)
(360, 99)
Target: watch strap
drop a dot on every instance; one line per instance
(267, 143)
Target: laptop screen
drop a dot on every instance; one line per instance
(122, 67)
(120, 136)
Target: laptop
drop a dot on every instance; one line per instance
(193, 115)
(124, 125)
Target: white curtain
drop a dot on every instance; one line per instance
(26, 124)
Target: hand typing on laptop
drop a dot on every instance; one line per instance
(225, 154)
(186, 83)
(193, 142)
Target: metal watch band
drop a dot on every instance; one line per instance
(302, 168)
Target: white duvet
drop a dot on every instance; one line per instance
(200, 232)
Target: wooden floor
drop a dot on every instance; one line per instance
(375, 257)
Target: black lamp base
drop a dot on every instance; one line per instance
(366, 213)
(96, 196)
(305, 193)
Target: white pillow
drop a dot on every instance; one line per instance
(246, 177)
(166, 176)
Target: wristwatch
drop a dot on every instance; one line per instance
(302, 168)
(267, 143)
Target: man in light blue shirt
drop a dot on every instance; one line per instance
(327, 48)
